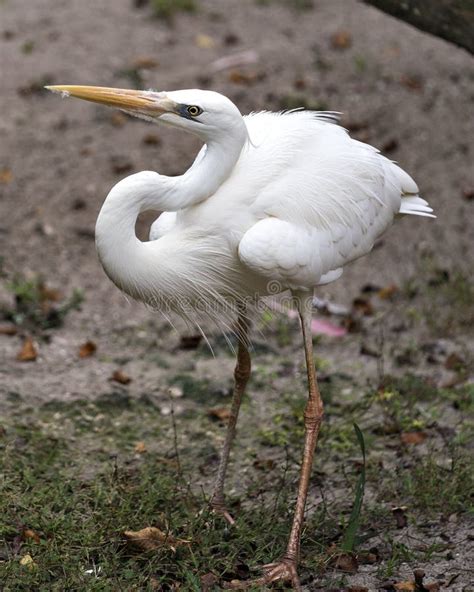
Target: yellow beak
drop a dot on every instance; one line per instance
(154, 103)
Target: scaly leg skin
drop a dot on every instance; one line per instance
(241, 376)
(286, 568)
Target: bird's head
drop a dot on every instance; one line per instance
(205, 113)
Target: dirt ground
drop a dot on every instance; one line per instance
(403, 91)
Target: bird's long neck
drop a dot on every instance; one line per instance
(139, 268)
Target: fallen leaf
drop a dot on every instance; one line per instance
(231, 39)
(400, 516)
(468, 194)
(264, 464)
(322, 327)
(8, 329)
(390, 145)
(145, 63)
(413, 83)
(6, 176)
(413, 437)
(357, 589)
(151, 139)
(405, 586)
(454, 362)
(363, 306)
(220, 413)
(207, 581)
(117, 119)
(87, 349)
(50, 294)
(387, 292)
(120, 377)
(27, 561)
(120, 164)
(30, 534)
(204, 41)
(152, 538)
(245, 78)
(28, 351)
(140, 447)
(346, 562)
(341, 40)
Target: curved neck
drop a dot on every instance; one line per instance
(124, 257)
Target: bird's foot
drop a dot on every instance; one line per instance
(282, 571)
(218, 506)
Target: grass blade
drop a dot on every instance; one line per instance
(350, 534)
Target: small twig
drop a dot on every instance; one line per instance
(175, 441)
(381, 358)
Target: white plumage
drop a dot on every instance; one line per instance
(303, 200)
(273, 201)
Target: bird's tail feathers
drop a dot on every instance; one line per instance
(415, 205)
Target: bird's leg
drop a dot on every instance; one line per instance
(241, 376)
(286, 567)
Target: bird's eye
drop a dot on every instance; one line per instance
(194, 110)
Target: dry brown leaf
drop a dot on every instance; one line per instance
(346, 562)
(30, 534)
(468, 194)
(400, 516)
(151, 538)
(145, 63)
(411, 82)
(151, 139)
(117, 119)
(208, 581)
(265, 464)
(405, 586)
(49, 294)
(363, 306)
(454, 362)
(413, 437)
(27, 352)
(245, 78)
(120, 377)
(140, 447)
(6, 176)
(8, 329)
(87, 349)
(387, 292)
(220, 413)
(341, 40)
(204, 41)
(357, 589)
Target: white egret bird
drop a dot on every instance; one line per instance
(272, 200)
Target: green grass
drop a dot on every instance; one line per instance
(166, 9)
(36, 306)
(70, 473)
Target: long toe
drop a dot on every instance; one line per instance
(220, 508)
(283, 571)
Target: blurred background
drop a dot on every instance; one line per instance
(399, 321)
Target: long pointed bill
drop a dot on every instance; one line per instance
(142, 101)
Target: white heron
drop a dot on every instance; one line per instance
(272, 199)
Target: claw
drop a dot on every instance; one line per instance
(219, 507)
(283, 571)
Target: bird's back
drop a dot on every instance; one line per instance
(324, 201)
(303, 200)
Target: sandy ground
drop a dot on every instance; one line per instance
(398, 88)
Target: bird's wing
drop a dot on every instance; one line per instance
(323, 201)
(162, 225)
